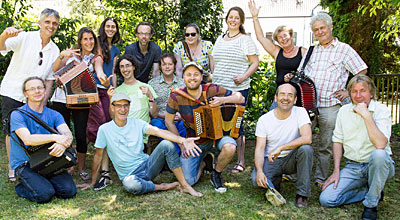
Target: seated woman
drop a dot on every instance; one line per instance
(87, 52)
(194, 49)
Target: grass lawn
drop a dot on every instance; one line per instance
(241, 201)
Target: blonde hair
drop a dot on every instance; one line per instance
(361, 78)
(281, 28)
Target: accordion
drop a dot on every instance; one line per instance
(79, 85)
(307, 94)
(214, 123)
(47, 165)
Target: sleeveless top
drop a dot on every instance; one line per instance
(285, 65)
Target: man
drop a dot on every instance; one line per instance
(361, 135)
(145, 51)
(123, 139)
(329, 67)
(192, 157)
(283, 145)
(34, 55)
(31, 185)
(162, 86)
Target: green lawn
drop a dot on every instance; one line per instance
(241, 201)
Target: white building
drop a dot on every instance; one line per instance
(273, 13)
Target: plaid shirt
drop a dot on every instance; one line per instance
(329, 69)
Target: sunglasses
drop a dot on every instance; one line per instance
(190, 34)
(41, 58)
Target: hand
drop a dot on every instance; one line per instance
(217, 101)
(64, 140)
(238, 79)
(272, 155)
(69, 52)
(191, 148)
(253, 9)
(104, 80)
(146, 91)
(177, 117)
(287, 77)
(361, 109)
(56, 150)
(262, 180)
(111, 92)
(334, 178)
(11, 32)
(84, 186)
(341, 95)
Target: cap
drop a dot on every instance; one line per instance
(119, 97)
(193, 64)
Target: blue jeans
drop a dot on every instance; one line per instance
(140, 180)
(38, 188)
(360, 181)
(160, 123)
(191, 165)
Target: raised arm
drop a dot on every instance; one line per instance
(268, 45)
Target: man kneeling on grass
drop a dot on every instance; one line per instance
(283, 147)
(123, 138)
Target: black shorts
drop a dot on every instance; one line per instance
(7, 104)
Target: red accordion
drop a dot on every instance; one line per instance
(214, 123)
(308, 94)
(79, 85)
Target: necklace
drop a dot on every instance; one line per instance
(233, 35)
(291, 50)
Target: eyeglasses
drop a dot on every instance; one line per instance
(34, 89)
(190, 34)
(144, 34)
(41, 58)
(121, 105)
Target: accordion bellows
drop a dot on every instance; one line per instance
(214, 123)
(79, 85)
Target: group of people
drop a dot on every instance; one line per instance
(140, 103)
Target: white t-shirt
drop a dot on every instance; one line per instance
(25, 62)
(59, 92)
(279, 132)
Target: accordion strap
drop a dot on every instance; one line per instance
(187, 50)
(309, 52)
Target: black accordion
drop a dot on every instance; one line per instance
(306, 93)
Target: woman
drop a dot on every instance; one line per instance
(287, 56)
(99, 114)
(87, 52)
(236, 59)
(197, 50)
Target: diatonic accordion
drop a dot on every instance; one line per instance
(308, 93)
(79, 85)
(214, 123)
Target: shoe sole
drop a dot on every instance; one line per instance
(218, 190)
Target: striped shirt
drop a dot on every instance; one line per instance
(178, 103)
(230, 60)
(329, 69)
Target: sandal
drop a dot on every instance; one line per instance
(238, 168)
(104, 181)
(84, 176)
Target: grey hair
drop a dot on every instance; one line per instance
(49, 12)
(360, 78)
(321, 16)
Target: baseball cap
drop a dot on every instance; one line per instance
(119, 97)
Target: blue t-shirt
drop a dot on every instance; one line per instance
(124, 144)
(19, 120)
(108, 67)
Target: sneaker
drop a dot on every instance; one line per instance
(216, 181)
(209, 161)
(274, 197)
(301, 201)
(369, 213)
(103, 182)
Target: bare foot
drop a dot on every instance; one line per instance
(166, 186)
(190, 190)
(11, 176)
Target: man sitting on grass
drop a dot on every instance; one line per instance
(361, 135)
(283, 145)
(123, 139)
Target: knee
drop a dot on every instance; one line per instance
(378, 157)
(45, 195)
(306, 149)
(167, 146)
(132, 184)
(229, 148)
(327, 200)
(68, 191)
